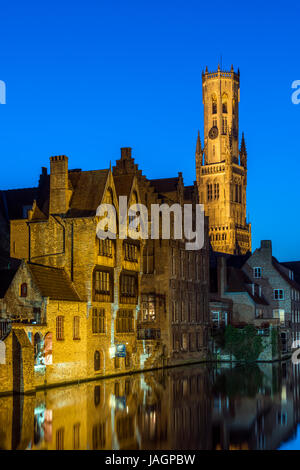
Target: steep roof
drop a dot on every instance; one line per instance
(88, 188)
(238, 281)
(53, 282)
(295, 267)
(165, 185)
(8, 269)
(123, 184)
(281, 271)
(12, 202)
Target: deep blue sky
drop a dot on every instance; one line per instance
(86, 78)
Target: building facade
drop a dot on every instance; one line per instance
(92, 307)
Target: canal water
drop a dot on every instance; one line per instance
(191, 407)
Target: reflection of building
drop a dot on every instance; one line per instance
(93, 307)
(221, 167)
(179, 408)
(255, 410)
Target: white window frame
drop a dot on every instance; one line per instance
(277, 291)
(257, 269)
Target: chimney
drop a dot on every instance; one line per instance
(222, 275)
(59, 185)
(125, 153)
(266, 248)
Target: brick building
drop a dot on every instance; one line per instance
(95, 307)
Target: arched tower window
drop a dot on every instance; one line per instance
(224, 103)
(214, 104)
(23, 290)
(97, 361)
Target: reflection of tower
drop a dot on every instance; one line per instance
(221, 168)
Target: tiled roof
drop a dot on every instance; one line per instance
(12, 202)
(53, 282)
(238, 281)
(123, 185)
(165, 185)
(87, 192)
(280, 270)
(8, 269)
(295, 267)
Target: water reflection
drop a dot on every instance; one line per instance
(195, 407)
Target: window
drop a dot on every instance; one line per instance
(291, 275)
(148, 308)
(224, 126)
(216, 191)
(76, 327)
(99, 436)
(102, 286)
(257, 272)
(209, 192)
(125, 427)
(279, 313)
(278, 294)
(130, 252)
(214, 105)
(128, 286)
(102, 281)
(224, 103)
(199, 341)
(105, 248)
(97, 361)
(23, 290)
(117, 362)
(97, 395)
(98, 320)
(76, 436)
(124, 321)
(60, 435)
(59, 328)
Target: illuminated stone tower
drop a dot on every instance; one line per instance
(221, 167)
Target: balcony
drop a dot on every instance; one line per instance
(148, 334)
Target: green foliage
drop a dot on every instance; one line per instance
(243, 343)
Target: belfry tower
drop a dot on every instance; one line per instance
(221, 167)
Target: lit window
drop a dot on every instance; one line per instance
(148, 308)
(279, 314)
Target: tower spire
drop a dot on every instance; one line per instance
(243, 152)
(198, 145)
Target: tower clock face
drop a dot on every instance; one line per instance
(213, 133)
